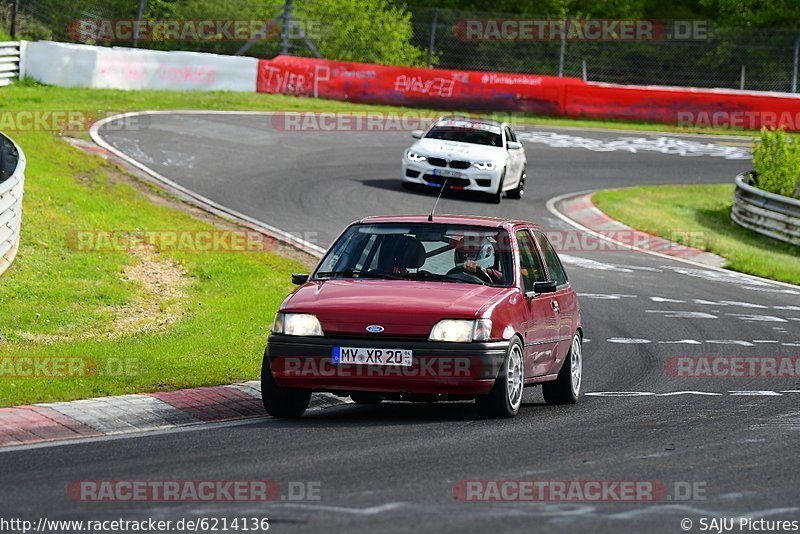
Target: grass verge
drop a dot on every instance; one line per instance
(670, 211)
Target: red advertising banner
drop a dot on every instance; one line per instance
(407, 86)
(526, 93)
(709, 108)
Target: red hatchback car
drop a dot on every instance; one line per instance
(407, 308)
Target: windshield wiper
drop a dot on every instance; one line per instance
(351, 273)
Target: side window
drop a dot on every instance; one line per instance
(529, 263)
(551, 258)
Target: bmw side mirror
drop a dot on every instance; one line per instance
(514, 145)
(417, 134)
(542, 287)
(299, 279)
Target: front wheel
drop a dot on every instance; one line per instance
(566, 389)
(495, 198)
(518, 191)
(505, 398)
(282, 402)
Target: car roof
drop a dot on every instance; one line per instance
(468, 220)
(477, 120)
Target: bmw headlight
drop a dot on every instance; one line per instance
(413, 156)
(484, 165)
(461, 331)
(297, 324)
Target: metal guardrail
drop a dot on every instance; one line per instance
(768, 214)
(12, 181)
(10, 53)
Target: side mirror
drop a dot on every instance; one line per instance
(299, 279)
(514, 145)
(542, 287)
(417, 134)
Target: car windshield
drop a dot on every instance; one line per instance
(467, 133)
(420, 251)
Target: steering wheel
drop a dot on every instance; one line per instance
(480, 275)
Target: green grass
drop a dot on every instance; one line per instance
(674, 212)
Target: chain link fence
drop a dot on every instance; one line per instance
(753, 59)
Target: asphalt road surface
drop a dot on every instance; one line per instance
(394, 467)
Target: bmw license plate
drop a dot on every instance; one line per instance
(371, 356)
(448, 173)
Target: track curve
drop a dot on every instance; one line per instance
(393, 467)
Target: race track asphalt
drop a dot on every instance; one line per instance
(393, 467)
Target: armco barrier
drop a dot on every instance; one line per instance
(73, 65)
(12, 179)
(772, 215)
(10, 52)
(408, 86)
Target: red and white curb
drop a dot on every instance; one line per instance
(106, 416)
(581, 210)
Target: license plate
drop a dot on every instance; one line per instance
(365, 356)
(447, 173)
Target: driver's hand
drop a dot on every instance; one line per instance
(471, 267)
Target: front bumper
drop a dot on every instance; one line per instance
(437, 367)
(471, 179)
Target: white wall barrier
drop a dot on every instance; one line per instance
(12, 181)
(74, 65)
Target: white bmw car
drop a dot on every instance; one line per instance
(467, 154)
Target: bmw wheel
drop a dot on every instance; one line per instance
(518, 191)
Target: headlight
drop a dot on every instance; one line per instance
(461, 331)
(484, 165)
(413, 156)
(297, 324)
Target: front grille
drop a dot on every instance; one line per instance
(438, 162)
(458, 164)
(451, 182)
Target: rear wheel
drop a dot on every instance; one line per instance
(366, 398)
(566, 389)
(281, 402)
(505, 398)
(518, 191)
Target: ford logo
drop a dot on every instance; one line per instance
(375, 329)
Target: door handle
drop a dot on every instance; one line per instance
(555, 305)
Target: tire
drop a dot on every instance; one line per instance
(366, 398)
(518, 191)
(505, 398)
(281, 402)
(566, 389)
(495, 198)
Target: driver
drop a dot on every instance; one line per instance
(473, 257)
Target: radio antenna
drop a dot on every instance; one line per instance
(444, 184)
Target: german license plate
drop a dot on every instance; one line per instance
(447, 173)
(371, 356)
